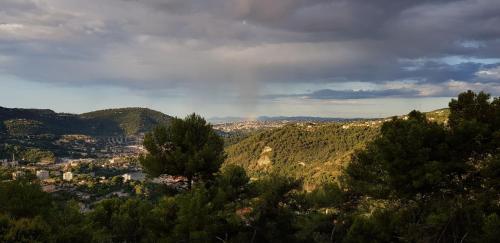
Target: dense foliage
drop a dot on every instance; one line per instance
(187, 147)
(433, 183)
(27, 214)
(34, 155)
(315, 153)
(29, 155)
(418, 181)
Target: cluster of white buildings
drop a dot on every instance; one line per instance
(7, 163)
(43, 175)
(134, 176)
(249, 125)
(68, 176)
(18, 174)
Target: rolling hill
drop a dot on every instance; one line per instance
(128, 120)
(110, 122)
(314, 152)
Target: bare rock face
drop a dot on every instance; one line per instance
(266, 150)
(264, 159)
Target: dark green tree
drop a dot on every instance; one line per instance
(27, 230)
(475, 125)
(27, 214)
(116, 220)
(187, 147)
(471, 106)
(410, 159)
(13, 151)
(273, 210)
(21, 198)
(421, 181)
(209, 213)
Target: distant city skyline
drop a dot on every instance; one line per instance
(247, 58)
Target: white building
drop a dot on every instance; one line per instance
(7, 163)
(68, 176)
(18, 174)
(42, 174)
(126, 177)
(134, 176)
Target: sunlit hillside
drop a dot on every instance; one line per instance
(314, 152)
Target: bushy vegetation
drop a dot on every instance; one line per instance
(231, 138)
(22, 127)
(439, 116)
(315, 153)
(30, 155)
(188, 148)
(428, 182)
(34, 155)
(27, 214)
(418, 181)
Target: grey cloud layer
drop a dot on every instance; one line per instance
(329, 94)
(229, 44)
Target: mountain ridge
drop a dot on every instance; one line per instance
(107, 122)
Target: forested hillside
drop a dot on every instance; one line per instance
(314, 152)
(21, 122)
(129, 120)
(126, 121)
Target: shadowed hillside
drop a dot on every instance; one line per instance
(126, 121)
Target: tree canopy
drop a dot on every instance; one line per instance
(433, 182)
(187, 147)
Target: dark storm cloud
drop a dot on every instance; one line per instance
(341, 18)
(438, 72)
(246, 45)
(329, 94)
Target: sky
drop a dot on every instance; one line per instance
(330, 58)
